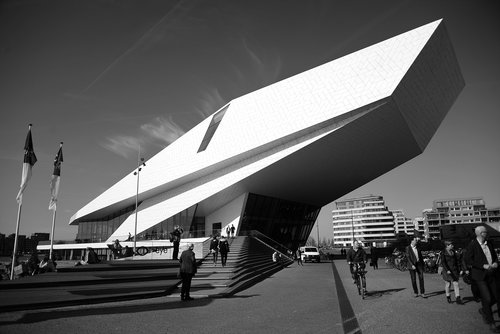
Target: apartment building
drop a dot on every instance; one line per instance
(365, 219)
(458, 211)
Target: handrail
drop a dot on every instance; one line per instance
(270, 242)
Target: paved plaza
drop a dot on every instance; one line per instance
(314, 298)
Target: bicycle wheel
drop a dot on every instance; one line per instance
(363, 284)
(358, 285)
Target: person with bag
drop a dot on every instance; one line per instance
(214, 248)
(451, 271)
(467, 277)
(223, 249)
(175, 237)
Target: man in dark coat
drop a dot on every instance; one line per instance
(187, 271)
(356, 254)
(483, 261)
(416, 266)
(223, 249)
(175, 237)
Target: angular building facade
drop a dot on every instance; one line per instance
(269, 160)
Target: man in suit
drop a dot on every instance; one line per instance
(187, 271)
(483, 261)
(416, 266)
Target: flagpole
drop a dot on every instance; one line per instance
(57, 171)
(137, 197)
(52, 234)
(140, 161)
(15, 241)
(29, 161)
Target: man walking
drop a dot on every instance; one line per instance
(298, 256)
(187, 271)
(483, 261)
(175, 237)
(416, 267)
(223, 249)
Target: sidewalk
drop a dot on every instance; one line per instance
(314, 298)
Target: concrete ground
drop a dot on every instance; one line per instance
(314, 298)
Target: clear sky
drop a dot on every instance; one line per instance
(107, 76)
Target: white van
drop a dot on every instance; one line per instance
(309, 253)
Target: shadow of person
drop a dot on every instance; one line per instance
(380, 293)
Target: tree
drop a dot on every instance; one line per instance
(311, 242)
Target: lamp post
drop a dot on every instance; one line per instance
(317, 230)
(352, 226)
(140, 161)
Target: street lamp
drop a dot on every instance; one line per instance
(140, 161)
(352, 225)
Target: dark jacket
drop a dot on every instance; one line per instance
(358, 255)
(188, 262)
(451, 263)
(214, 244)
(475, 258)
(412, 260)
(175, 236)
(224, 246)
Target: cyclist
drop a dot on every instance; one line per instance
(356, 254)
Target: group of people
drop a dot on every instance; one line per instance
(187, 260)
(219, 245)
(119, 251)
(479, 262)
(37, 266)
(230, 230)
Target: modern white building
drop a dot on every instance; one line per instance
(422, 227)
(269, 160)
(365, 219)
(402, 224)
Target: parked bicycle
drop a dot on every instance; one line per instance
(397, 261)
(431, 261)
(359, 270)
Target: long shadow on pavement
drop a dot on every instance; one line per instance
(33, 317)
(349, 321)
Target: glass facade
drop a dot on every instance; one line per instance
(99, 230)
(288, 223)
(162, 230)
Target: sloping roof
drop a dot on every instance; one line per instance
(306, 138)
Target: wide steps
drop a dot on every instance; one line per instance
(249, 261)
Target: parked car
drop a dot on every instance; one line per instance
(310, 253)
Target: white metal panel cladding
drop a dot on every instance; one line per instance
(264, 127)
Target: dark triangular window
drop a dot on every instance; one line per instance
(217, 118)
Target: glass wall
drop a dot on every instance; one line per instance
(162, 230)
(286, 222)
(99, 230)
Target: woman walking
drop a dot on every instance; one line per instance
(214, 248)
(451, 271)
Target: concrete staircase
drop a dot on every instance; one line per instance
(248, 262)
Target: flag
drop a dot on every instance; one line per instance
(56, 178)
(28, 162)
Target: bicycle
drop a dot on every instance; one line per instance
(360, 277)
